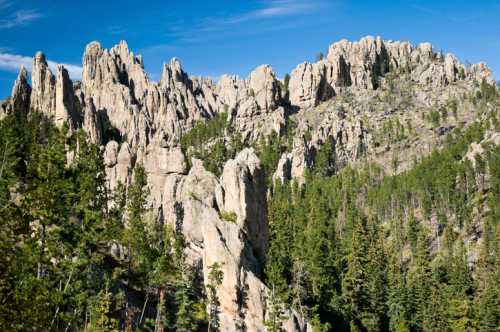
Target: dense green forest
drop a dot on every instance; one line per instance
(352, 249)
(58, 224)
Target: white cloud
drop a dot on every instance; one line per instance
(284, 8)
(19, 18)
(117, 30)
(272, 9)
(13, 62)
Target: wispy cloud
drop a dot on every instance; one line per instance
(274, 8)
(425, 10)
(269, 10)
(117, 30)
(13, 62)
(5, 4)
(448, 15)
(19, 18)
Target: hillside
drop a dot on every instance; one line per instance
(359, 193)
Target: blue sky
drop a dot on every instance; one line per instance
(229, 36)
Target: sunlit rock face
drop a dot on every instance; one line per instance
(341, 100)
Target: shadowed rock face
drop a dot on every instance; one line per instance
(21, 93)
(339, 99)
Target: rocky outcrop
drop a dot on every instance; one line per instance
(198, 204)
(20, 96)
(43, 94)
(21, 93)
(362, 65)
(342, 99)
(308, 85)
(477, 150)
(293, 165)
(118, 160)
(256, 105)
(242, 192)
(107, 82)
(65, 104)
(91, 123)
(53, 96)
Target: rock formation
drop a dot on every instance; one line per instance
(360, 64)
(197, 204)
(341, 99)
(43, 86)
(21, 93)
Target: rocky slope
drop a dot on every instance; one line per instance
(370, 99)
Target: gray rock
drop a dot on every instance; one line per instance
(64, 99)
(43, 93)
(21, 93)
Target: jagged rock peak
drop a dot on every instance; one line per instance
(20, 96)
(23, 75)
(43, 86)
(40, 58)
(21, 92)
(172, 73)
(64, 98)
(361, 64)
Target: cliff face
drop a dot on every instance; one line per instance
(343, 99)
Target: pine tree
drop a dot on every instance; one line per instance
(215, 277)
(419, 283)
(104, 322)
(354, 280)
(275, 313)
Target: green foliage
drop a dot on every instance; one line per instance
(352, 250)
(435, 117)
(57, 223)
(286, 82)
(488, 91)
(214, 142)
(202, 132)
(270, 148)
(215, 277)
(103, 321)
(392, 131)
(276, 314)
(228, 216)
(324, 160)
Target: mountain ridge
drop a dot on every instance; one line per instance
(372, 100)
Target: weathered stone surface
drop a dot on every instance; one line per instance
(111, 154)
(255, 104)
(362, 64)
(64, 99)
(118, 160)
(162, 160)
(195, 202)
(265, 87)
(283, 169)
(21, 93)
(477, 149)
(43, 94)
(345, 99)
(243, 193)
(91, 123)
(308, 85)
